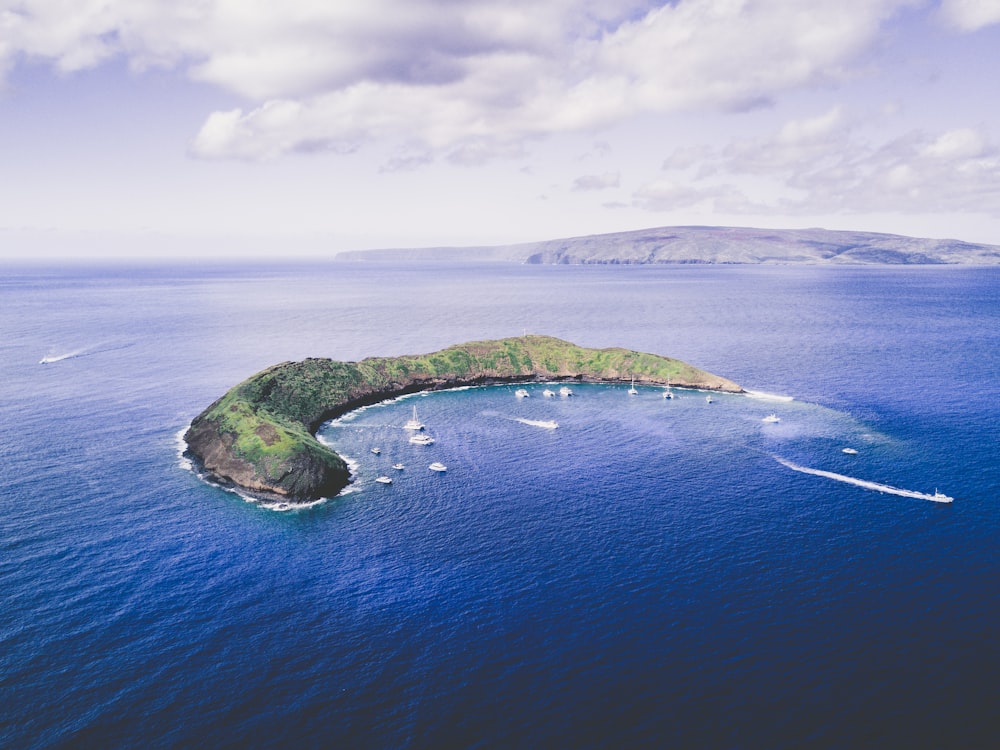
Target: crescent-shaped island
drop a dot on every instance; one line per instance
(259, 437)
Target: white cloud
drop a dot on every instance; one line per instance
(597, 181)
(686, 157)
(667, 196)
(329, 76)
(971, 15)
(828, 164)
(964, 143)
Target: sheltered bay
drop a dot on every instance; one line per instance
(260, 436)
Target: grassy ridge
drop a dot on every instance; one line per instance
(259, 435)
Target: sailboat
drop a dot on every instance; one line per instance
(414, 423)
(632, 391)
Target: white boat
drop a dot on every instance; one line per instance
(398, 467)
(521, 393)
(940, 497)
(632, 391)
(667, 393)
(422, 440)
(565, 391)
(771, 419)
(414, 423)
(383, 480)
(437, 466)
(548, 393)
(376, 451)
(849, 451)
(708, 399)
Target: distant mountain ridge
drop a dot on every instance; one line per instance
(697, 244)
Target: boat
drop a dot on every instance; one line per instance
(413, 423)
(849, 451)
(422, 440)
(565, 391)
(667, 393)
(940, 497)
(771, 419)
(521, 393)
(437, 466)
(548, 393)
(708, 399)
(383, 480)
(632, 391)
(283, 506)
(398, 467)
(376, 451)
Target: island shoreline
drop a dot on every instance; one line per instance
(259, 439)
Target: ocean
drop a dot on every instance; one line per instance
(650, 573)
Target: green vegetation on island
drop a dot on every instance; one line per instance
(259, 437)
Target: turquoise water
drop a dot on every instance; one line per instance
(646, 573)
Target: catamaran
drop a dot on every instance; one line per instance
(414, 423)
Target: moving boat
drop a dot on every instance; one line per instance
(849, 451)
(414, 423)
(422, 440)
(437, 466)
(940, 497)
(771, 419)
(521, 393)
(383, 480)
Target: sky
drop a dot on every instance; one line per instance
(142, 129)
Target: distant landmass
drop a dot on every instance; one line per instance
(695, 244)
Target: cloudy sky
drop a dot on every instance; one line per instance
(249, 128)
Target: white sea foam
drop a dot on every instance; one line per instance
(761, 395)
(280, 506)
(863, 482)
(181, 445)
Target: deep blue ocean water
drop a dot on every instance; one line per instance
(646, 574)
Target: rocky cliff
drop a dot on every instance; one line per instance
(259, 437)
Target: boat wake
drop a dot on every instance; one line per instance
(937, 497)
(85, 351)
(762, 396)
(548, 424)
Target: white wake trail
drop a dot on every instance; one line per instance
(937, 497)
